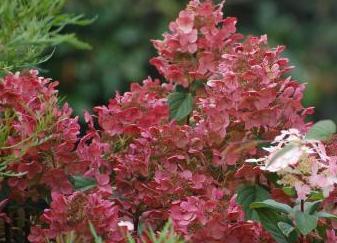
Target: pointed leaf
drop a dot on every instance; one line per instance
(269, 220)
(97, 239)
(316, 196)
(82, 183)
(321, 130)
(326, 215)
(272, 204)
(248, 194)
(285, 228)
(311, 207)
(305, 222)
(290, 191)
(197, 84)
(180, 104)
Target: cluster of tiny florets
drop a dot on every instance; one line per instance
(149, 168)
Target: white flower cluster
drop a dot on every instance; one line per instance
(299, 162)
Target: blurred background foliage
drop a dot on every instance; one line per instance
(121, 35)
(29, 28)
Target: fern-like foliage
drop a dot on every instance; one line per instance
(166, 235)
(30, 30)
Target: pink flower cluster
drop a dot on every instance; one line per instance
(147, 168)
(249, 91)
(246, 87)
(197, 40)
(212, 222)
(142, 107)
(40, 136)
(74, 213)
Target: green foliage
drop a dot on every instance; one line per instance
(45, 125)
(305, 222)
(272, 204)
(181, 104)
(301, 219)
(5, 129)
(248, 194)
(326, 215)
(29, 28)
(311, 207)
(322, 130)
(271, 223)
(97, 239)
(290, 191)
(285, 228)
(316, 196)
(166, 235)
(275, 219)
(82, 183)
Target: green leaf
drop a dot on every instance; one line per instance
(182, 89)
(272, 177)
(82, 183)
(326, 215)
(166, 235)
(316, 196)
(321, 130)
(248, 194)
(272, 204)
(181, 105)
(29, 29)
(311, 207)
(270, 221)
(305, 222)
(130, 238)
(285, 228)
(321, 230)
(197, 84)
(97, 239)
(290, 191)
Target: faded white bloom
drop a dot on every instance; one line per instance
(300, 162)
(129, 225)
(287, 149)
(275, 162)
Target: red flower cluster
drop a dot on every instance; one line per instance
(249, 92)
(193, 49)
(212, 222)
(74, 213)
(142, 107)
(40, 137)
(149, 169)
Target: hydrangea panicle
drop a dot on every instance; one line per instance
(42, 135)
(73, 214)
(143, 167)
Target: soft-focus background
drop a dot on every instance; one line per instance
(121, 35)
